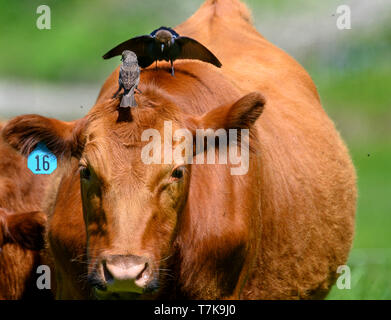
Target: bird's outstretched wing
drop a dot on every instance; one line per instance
(139, 45)
(192, 49)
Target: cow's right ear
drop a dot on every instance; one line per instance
(62, 138)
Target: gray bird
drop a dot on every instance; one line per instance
(129, 78)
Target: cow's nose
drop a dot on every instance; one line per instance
(126, 273)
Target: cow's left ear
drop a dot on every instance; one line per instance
(240, 115)
(62, 138)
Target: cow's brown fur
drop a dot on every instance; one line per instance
(278, 232)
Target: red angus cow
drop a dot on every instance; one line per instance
(190, 230)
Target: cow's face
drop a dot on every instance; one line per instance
(131, 208)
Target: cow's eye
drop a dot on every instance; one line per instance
(85, 173)
(178, 172)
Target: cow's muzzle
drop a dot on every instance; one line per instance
(126, 274)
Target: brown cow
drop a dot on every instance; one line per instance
(21, 227)
(196, 231)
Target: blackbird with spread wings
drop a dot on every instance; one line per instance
(164, 44)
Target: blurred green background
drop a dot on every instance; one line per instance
(351, 68)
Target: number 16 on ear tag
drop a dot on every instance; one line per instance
(41, 160)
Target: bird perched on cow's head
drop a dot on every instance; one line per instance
(129, 78)
(164, 44)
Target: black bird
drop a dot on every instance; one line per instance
(164, 44)
(129, 78)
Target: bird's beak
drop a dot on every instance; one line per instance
(162, 47)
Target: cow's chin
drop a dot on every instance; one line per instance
(122, 290)
(108, 295)
(104, 294)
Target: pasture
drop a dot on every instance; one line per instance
(350, 68)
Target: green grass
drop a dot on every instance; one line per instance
(354, 86)
(370, 259)
(374, 205)
(370, 276)
(358, 91)
(81, 32)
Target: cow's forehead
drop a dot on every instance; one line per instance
(113, 146)
(115, 158)
(129, 133)
(127, 124)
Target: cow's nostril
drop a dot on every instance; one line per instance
(143, 272)
(108, 277)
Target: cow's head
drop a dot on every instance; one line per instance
(133, 210)
(25, 229)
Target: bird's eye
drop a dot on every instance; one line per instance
(85, 173)
(178, 173)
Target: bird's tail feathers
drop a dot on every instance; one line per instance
(128, 100)
(133, 101)
(125, 101)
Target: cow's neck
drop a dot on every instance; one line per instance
(219, 226)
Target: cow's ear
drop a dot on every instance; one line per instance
(26, 229)
(62, 138)
(240, 115)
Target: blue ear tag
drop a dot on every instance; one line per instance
(41, 160)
